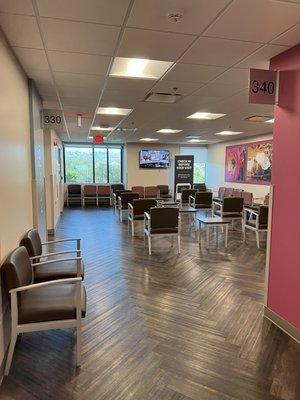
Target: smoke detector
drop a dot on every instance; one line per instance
(175, 17)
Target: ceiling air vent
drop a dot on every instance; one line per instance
(163, 97)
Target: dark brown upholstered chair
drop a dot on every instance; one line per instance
(164, 192)
(231, 208)
(103, 194)
(185, 195)
(56, 304)
(115, 196)
(89, 193)
(74, 194)
(116, 186)
(202, 201)
(255, 220)
(151, 192)
(162, 221)
(137, 208)
(201, 187)
(248, 198)
(123, 199)
(140, 190)
(54, 267)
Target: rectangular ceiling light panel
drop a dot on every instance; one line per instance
(139, 68)
(205, 115)
(113, 111)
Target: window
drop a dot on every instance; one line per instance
(200, 155)
(199, 172)
(92, 164)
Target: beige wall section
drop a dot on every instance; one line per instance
(15, 165)
(148, 177)
(53, 179)
(215, 168)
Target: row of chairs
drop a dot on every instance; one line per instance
(159, 191)
(46, 289)
(81, 194)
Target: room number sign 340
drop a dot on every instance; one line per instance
(262, 86)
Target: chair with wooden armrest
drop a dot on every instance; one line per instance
(164, 192)
(122, 202)
(255, 219)
(56, 304)
(137, 208)
(47, 270)
(74, 194)
(162, 221)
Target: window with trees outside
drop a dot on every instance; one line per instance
(92, 164)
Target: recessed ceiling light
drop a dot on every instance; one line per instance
(197, 140)
(193, 137)
(205, 115)
(147, 139)
(271, 121)
(102, 128)
(114, 111)
(228, 133)
(258, 118)
(139, 68)
(167, 130)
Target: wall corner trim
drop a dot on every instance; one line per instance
(282, 324)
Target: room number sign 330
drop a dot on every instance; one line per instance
(52, 119)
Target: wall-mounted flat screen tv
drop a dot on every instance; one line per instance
(154, 159)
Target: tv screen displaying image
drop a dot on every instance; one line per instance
(154, 159)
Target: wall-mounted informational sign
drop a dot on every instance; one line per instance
(52, 118)
(184, 170)
(262, 86)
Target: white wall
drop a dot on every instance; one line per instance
(15, 164)
(215, 168)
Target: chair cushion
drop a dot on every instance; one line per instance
(138, 217)
(163, 230)
(229, 215)
(165, 196)
(74, 195)
(203, 206)
(60, 270)
(253, 223)
(50, 303)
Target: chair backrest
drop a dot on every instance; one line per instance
(233, 204)
(32, 241)
(119, 191)
(182, 186)
(139, 189)
(204, 198)
(90, 190)
(237, 193)
(16, 269)
(163, 189)
(201, 187)
(103, 190)
(151, 191)
(263, 215)
(221, 192)
(74, 189)
(164, 217)
(228, 192)
(143, 205)
(116, 186)
(248, 198)
(186, 193)
(266, 199)
(128, 197)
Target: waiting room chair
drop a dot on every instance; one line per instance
(113, 188)
(55, 266)
(115, 196)
(151, 192)
(248, 198)
(201, 187)
(74, 194)
(122, 202)
(140, 190)
(103, 192)
(185, 195)
(231, 208)
(164, 192)
(228, 192)
(202, 201)
(255, 220)
(237, 193)
(56, 304)
(162, 221)
(137, 208)
(89, 193)
(219, 197)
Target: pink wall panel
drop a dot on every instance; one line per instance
(284, 271)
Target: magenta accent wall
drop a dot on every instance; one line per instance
(284, 268)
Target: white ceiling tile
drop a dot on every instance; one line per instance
(100, 11)
(78, 80)
(31, 58)
(78, 92)
(193, 73)
(78, 102)
(197, 14)
(40, 76)
(255, 20)
(46, 91)
(183, 88)
(260, 59)
(79, 37)
(219, 52)
(289, 38)
(115, 98)
(79, 63)
(236, 77)
(124, 85)
(217, 89)
(17, 7)
(50, 104)
(21, 30)
(154, 45)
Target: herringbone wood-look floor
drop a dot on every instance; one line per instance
(160, 327)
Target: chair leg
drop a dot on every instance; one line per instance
(179, 248)
(10, 352)
(132, 228)
(257, 239)
(149, 244)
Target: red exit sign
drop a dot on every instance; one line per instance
(262, 86)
